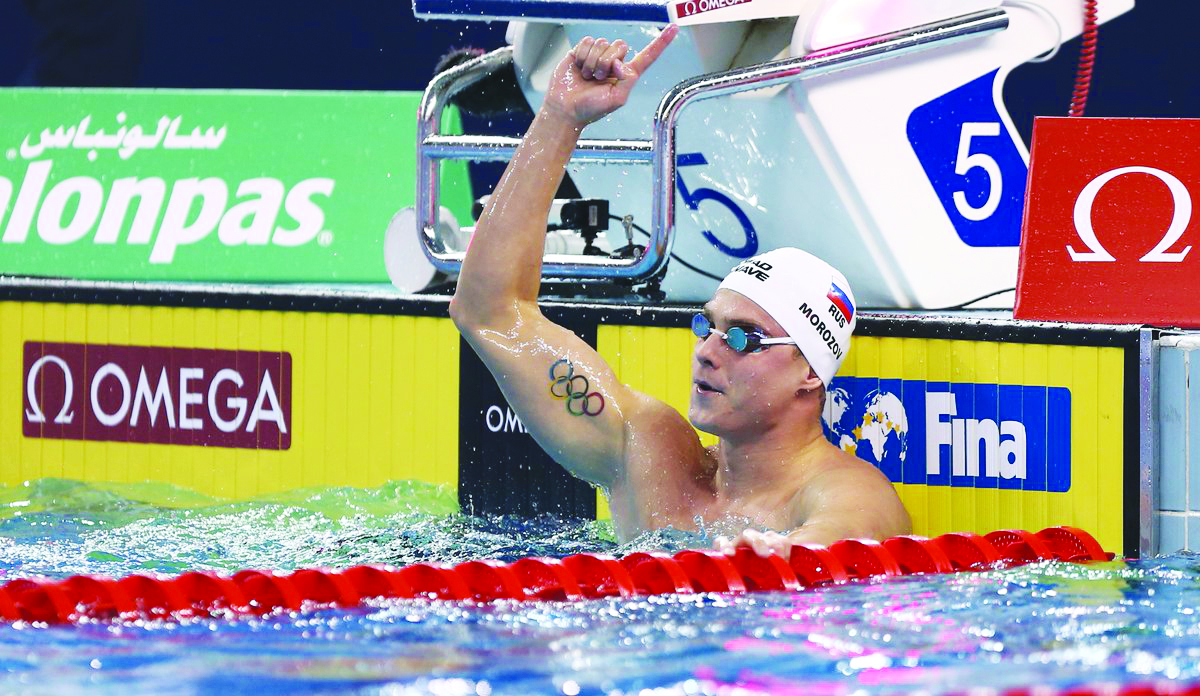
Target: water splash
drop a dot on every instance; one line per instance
(56, 527)
(1056, 624)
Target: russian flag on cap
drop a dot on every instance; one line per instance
(841, 300)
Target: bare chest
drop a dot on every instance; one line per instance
(678, 492)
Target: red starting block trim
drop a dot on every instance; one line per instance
(584, 575)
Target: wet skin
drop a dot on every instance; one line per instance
(772, 467)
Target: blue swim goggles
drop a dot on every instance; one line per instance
(736, 338)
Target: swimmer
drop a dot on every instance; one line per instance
(768, 344)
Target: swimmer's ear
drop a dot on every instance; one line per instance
(811, 383)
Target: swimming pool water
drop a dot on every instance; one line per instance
(1051, 623)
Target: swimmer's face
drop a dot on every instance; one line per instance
(744, 394)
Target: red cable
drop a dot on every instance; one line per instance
(1087, 59)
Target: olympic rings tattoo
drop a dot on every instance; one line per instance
(565, 384)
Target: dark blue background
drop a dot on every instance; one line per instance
(1145, 63)
(302, 44)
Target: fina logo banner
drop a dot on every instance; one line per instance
(950, 434)
(176, 396)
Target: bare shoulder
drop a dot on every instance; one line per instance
(655, 430)
(841, 467)
(667, 472)
(856, 494)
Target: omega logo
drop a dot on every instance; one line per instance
(165, 395)
(35, 415)
(1180, 220)
(498, 419)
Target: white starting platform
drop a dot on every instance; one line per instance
(871, 133)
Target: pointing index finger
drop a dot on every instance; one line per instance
(646, 57)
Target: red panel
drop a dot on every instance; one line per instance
(1110, 229)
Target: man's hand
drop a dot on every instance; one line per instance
(593, 80)
(762, 543)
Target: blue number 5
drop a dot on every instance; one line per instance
(692, 200)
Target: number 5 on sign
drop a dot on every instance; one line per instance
(742, 248)
(967, 161)
(975, 167)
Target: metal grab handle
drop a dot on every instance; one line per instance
(432, 147)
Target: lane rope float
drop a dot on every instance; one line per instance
(581, 576)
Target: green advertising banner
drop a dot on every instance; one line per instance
(208, 185)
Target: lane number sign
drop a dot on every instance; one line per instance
(972, 162)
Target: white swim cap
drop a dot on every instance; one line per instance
(810, 299)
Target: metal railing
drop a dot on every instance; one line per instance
(659, 151)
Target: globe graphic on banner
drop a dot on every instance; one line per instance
(874, 429)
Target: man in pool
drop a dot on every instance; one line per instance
(769, 342)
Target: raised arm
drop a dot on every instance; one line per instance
(564, 392)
